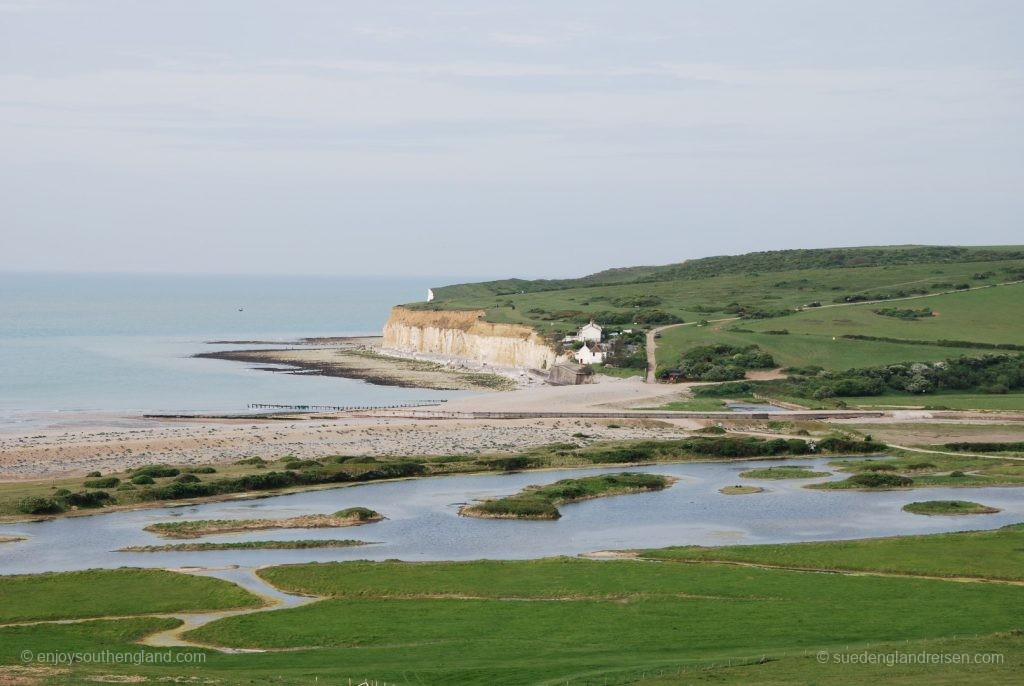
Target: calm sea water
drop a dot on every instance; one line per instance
(122, 343)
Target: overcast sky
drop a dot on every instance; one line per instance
(549, 138)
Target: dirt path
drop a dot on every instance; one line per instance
(652, 345)
(940, 452)
(846, 572)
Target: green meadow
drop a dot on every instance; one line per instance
(572, 620)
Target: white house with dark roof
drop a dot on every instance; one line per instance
(590, 353)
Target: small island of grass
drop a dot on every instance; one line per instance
(868, 481)
(352, 516)
(740, 490)
(782, 472)
(541, 502)
(948, 507)
(242, 545)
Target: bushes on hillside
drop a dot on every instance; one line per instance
(987, 374)
(723, 362)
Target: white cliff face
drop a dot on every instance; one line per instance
(460, 335)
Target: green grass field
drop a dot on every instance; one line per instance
(576, 621)
(468, 622)
(126, 591)
(997, 554)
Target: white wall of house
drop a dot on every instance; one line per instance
(587, 356)
(590, 333)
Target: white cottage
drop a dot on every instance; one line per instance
(590, 353)
(588, 333)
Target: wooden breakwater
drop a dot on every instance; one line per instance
(626, 414)
(276, 410)
(342, 408)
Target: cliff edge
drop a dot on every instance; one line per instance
(461, 335)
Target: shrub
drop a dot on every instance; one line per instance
(38, 505)
(92, 474)
(143, 480)
(61, 492)
(874, 480)
(957, 474)
(157, 471)
(186, 479)
(89, 499)
(293, 463)
(838, 444)
(878, 468)
(359, 459)
(360, 513)
(920, 465)
(205, 469)
(252, 460)
(126, 487)
(509, 464)
(105, 482)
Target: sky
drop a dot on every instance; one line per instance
(534, 139)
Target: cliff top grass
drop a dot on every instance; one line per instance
(948, 507)
(541, 502)
(759, 282)
(352, 516)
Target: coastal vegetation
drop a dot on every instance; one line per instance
(301, 544)
(205, 527)
(782, 472)
(869, 481)
(948, 507)
(290, 473)
(740, 490)
(541, 502)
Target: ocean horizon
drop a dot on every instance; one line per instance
(123, 344)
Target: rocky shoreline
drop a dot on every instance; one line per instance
(366, 364)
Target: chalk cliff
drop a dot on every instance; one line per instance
(462, 335)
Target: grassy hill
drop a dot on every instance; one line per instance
(753, 285)
(837, 309)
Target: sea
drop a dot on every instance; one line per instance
(78, 345)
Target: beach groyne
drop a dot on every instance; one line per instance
(461, 336)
